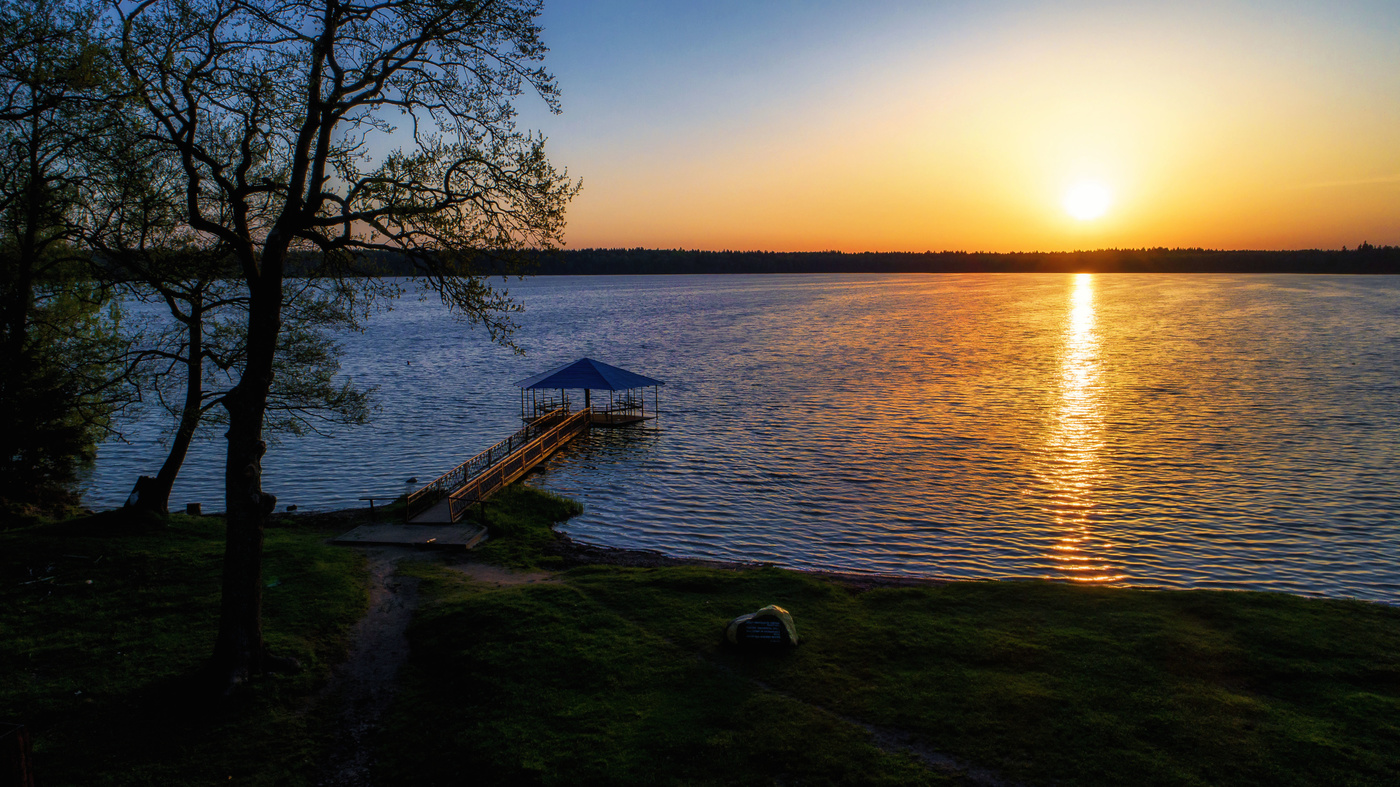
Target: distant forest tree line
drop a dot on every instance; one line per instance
(1364, 259)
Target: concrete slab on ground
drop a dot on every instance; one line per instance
(440, 513)
(461, 536)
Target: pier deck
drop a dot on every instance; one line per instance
(447, 499)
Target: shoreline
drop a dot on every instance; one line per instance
(574, 553)
(577, 553)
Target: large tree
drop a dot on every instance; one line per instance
(185, 356)
(282, 115)
(59, 350)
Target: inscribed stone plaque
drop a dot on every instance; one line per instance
(768, 627)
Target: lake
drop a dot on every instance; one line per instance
(1209, 431)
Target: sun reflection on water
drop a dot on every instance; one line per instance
(1074, 445)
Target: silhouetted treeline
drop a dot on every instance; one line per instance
(1363, 259)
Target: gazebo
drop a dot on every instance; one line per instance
(626, 405)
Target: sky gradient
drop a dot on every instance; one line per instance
(792, 125)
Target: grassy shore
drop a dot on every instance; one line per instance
(104, 622)
(619, 675)
(608, 674)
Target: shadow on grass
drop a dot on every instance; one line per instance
(106, 622)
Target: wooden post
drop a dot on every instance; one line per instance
(587, 398)
(16, 756)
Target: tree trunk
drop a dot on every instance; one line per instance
(157, 497)
(239, 652)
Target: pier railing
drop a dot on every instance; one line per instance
(483, 485)
(428, 496)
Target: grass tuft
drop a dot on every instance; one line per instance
(521, 520)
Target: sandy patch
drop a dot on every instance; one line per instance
(496, 576)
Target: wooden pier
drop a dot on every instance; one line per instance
(447, 499)
(434, 513)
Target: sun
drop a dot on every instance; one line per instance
(1087, 200)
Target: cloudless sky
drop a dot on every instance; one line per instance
(889, 126)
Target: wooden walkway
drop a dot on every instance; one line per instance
(447, 499)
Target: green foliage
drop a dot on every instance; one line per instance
(106, 619)
(60, 388)
(620, 675)
(1052, 682)
(59, 346)
(283, 123)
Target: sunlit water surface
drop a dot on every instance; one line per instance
(1182, 431)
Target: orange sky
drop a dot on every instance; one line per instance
(914, 126)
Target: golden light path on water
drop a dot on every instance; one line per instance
(1075, 442)
(1170, 430)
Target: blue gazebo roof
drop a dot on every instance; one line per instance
(588, 373)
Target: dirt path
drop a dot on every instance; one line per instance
(365, 684)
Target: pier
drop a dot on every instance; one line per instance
(448, 497)
(549, 423)
(435, 511)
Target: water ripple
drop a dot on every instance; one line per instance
(1166, 431)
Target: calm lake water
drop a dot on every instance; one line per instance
(1163, 430)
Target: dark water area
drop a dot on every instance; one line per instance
(1218, 431)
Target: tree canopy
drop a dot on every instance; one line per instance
(59, 347)
(316, 129)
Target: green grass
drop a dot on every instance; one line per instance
(619, 676)
(1053, 682)
(520, 520)
(103, 622)
(549, 686)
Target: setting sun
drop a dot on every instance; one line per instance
(1087, 200)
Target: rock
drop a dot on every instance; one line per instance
(771, 626)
